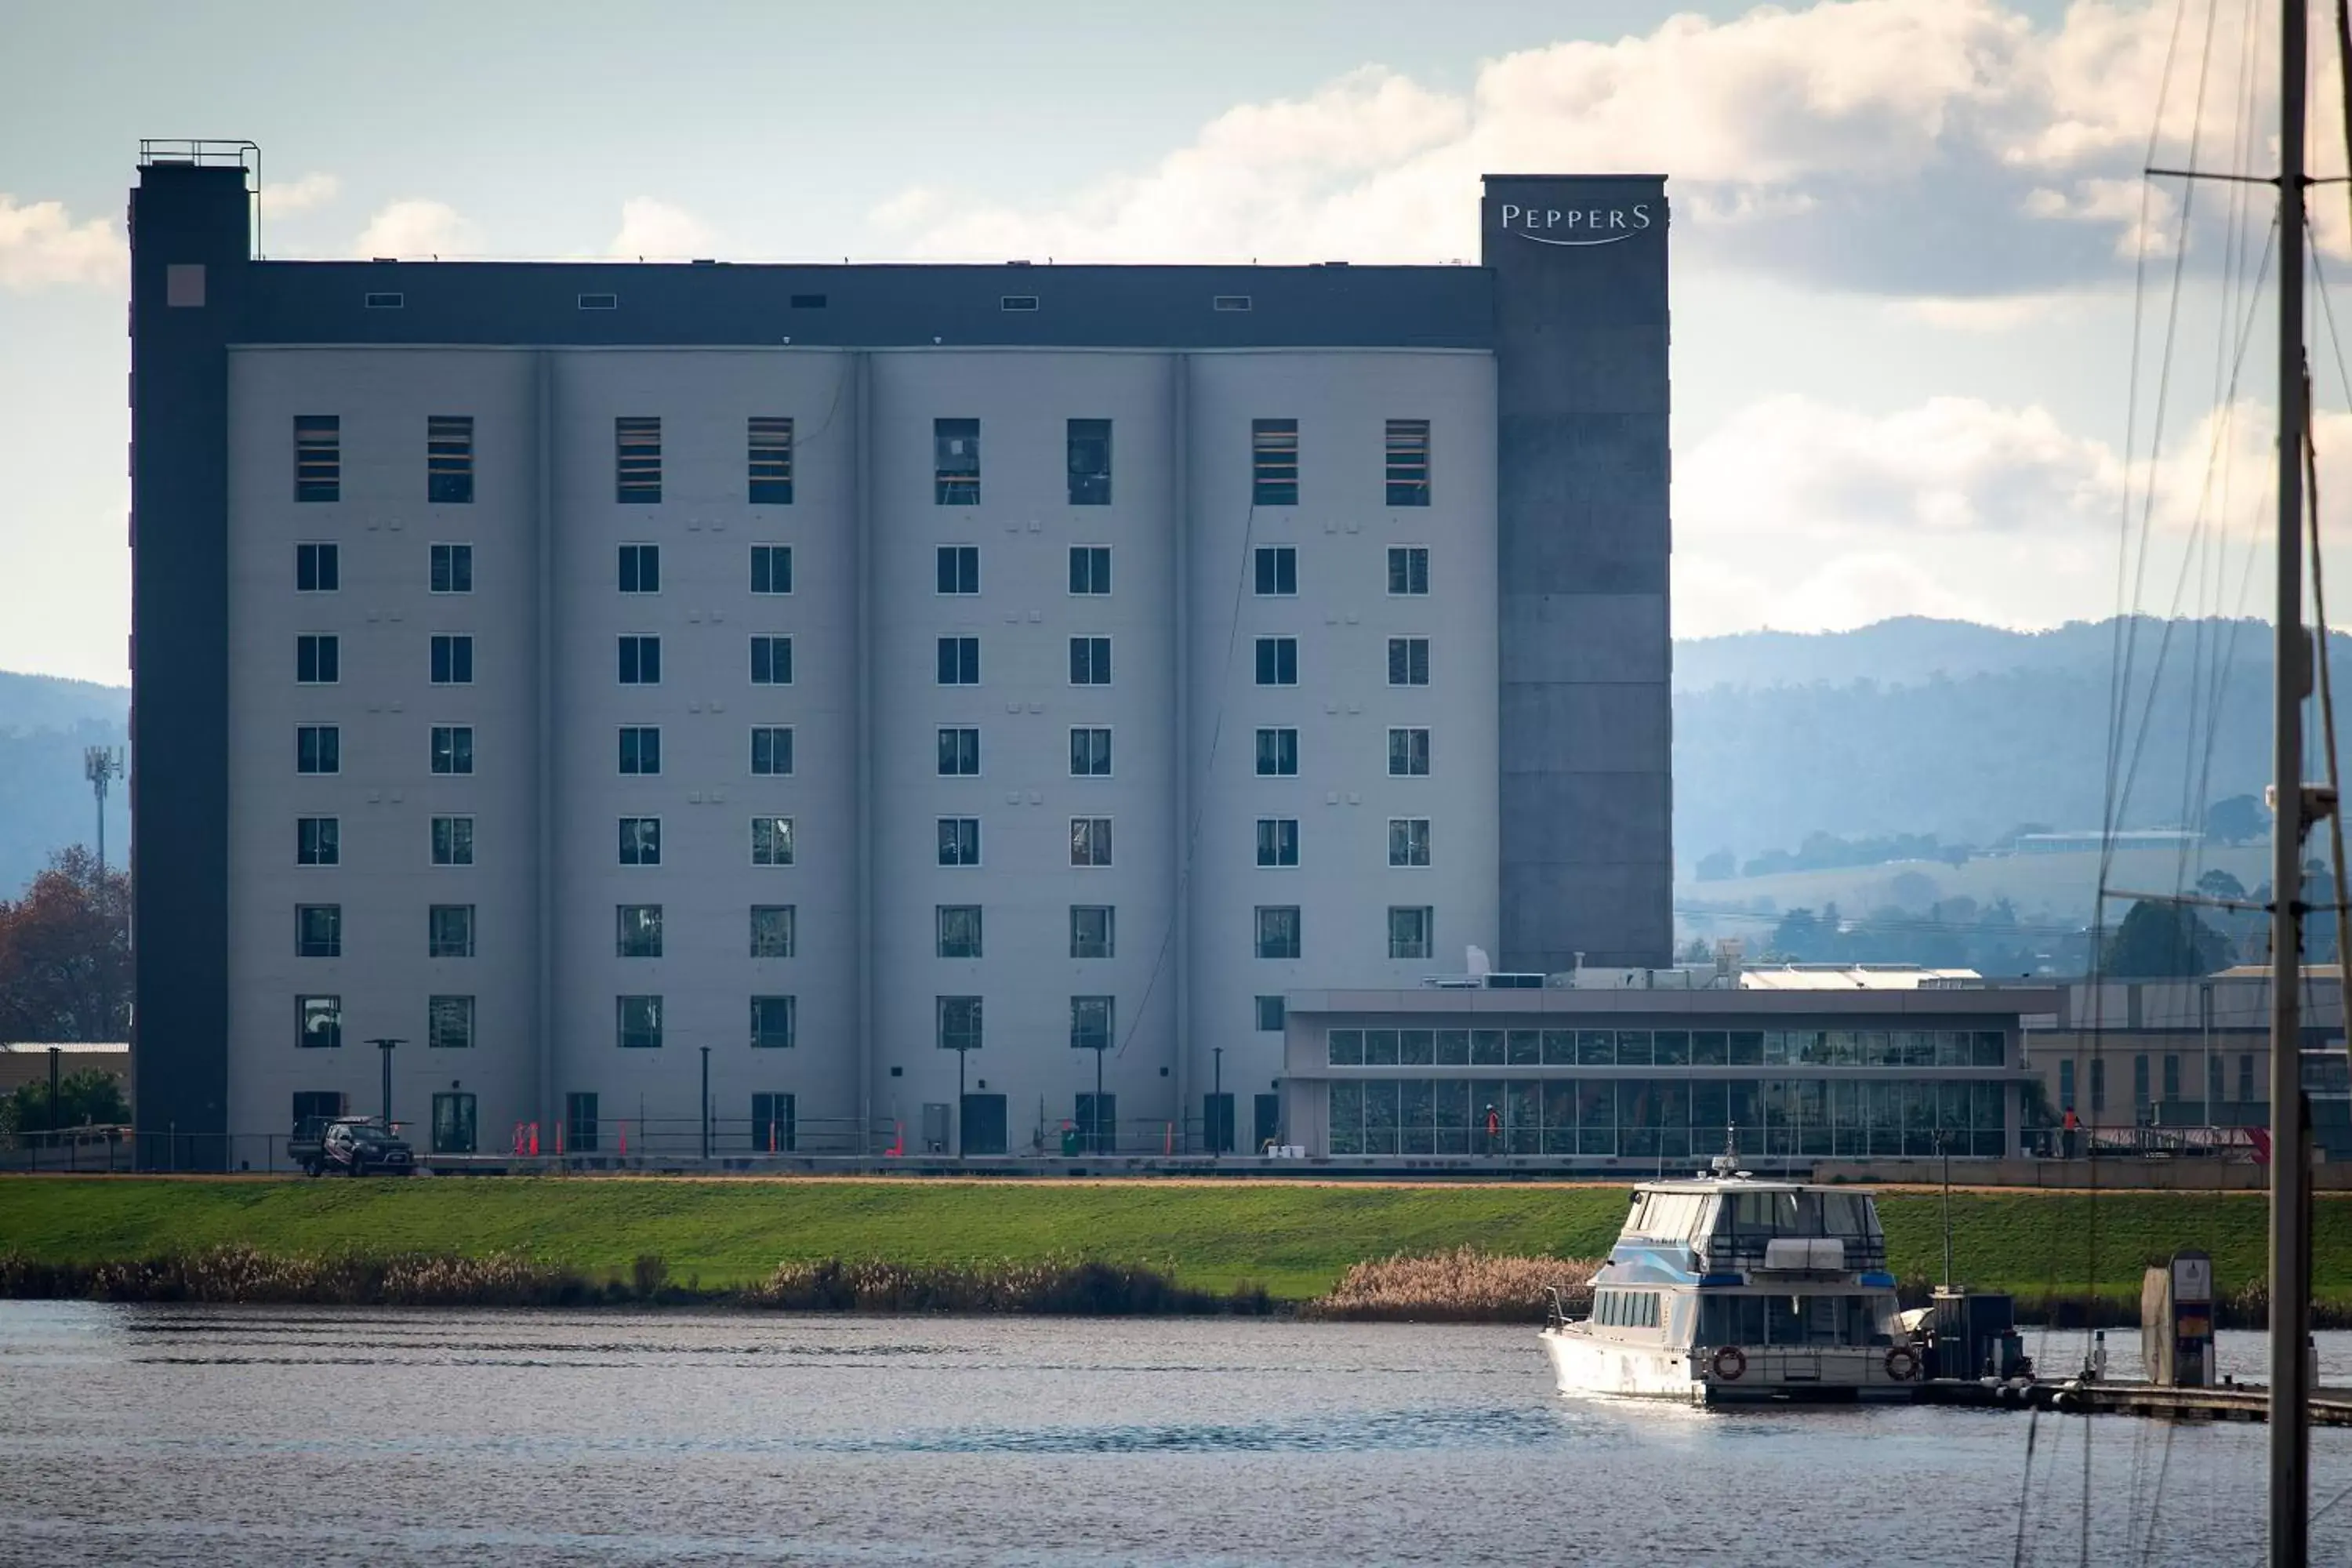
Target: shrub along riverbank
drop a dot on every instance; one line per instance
(1008, 1245)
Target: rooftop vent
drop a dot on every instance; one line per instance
(1230, 302)
(1018, 302)
(386, 302)
(599, 301)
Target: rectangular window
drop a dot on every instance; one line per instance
(1090, 661)
(449, 1023)
(772, 930)
(1090, 1023)
(637, 461)
(453, 748)
(1093, 930)
(771, 661)
(774, 1119)
(1269, 1014)
(1277, 841)
(2139, 1082)
(1278, 931)
(318, 569)
(772, 1021)
(1408, 463)
(319, 1025)
(640, 1023)
(1278, 754)
(1273, 462)
(1089, 448)
(2214, 1090)
(1408, 571)
(2171, 1076)
(1409, 931)
(959, 841)
(640, 749)
(770, 465)
(1276, 570)
(2246, 1079)
(640, 840)
(772, 568)
(959, 568)
(772, 751)
(960, 1023)
(958, 931)
(1090, 569)
(451, 569)
(453, 1122)
(1408, 661)
(318, 457)
(959, 661)
(318, 930)
(958, 753)
(318, 658)
(955, 451)
(1408, 841)
(2066, 1084)
(449, 459)
(318, 841)
(580, 1123)
(1408, 753)
(453, 841)
(639, 931)
(771, 841)
(640, 660)
(1090, 841)
(1090, 752)
(318, 749)
(640, 569)
(453, 658)
(449, 931)
(1277, 661)
(2098, 1085)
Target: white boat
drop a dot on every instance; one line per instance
(1725, 1289)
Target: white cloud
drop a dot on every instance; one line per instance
(40, 244)
(1945, 148)
(281, 198)
(656, 229)
(414, 229)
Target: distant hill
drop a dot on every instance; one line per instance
(1962, 731)
(45, 802)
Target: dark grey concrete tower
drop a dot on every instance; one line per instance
(1580, 335)
(190, 245)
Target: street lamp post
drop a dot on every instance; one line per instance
(384, 1048)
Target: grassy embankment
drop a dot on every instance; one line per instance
(1295, 1240)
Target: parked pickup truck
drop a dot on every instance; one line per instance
(349, 1146)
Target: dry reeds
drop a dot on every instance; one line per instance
(242, 1274)
(1464, 1286)
(1063, 1287)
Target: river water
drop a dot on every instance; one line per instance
(212, 1436)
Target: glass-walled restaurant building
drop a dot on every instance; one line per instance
(1612, 1079)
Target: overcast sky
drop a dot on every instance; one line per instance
(1904, 234)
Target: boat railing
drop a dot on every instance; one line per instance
(1556, 1316)
(1746, 1251)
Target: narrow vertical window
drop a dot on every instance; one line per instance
(771, 841)
(1276, 570)
(959, 569)
(1090, 752)
(1277, 661)
(1408, 753)
(1273, 462)
(640, 1030)
(772, 930)
(1277, 841)
(451, 569)
(317, 659)
(453, 748)
(1090, 569)
(1089, 444)
(640, 569)
(1408, 661)
(771, 661)
(959, 661)
(1090, 661)
(1090, 841)
(1408, 569)
(955, 447)
(640, 840)
(318, 457)
(772, 751)
(772, 568)
(771, 463)
(449, 459)
(318, 749)
(638, 460)
(1408, 841)
(453, 659)
(318, 569)
(318, 841)
(641, 749)
(1407, 462)
(958, 752)
(958, 930)
(640, 660)
(1278, 754)
(773, 1022)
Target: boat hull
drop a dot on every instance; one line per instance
(1584, 1362)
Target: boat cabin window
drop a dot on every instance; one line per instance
(1762, 1215)
(1626, 1309)
(1673, 1217)
(1827, 1319)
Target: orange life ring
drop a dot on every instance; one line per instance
(1731, 1363)
(1902, 1364)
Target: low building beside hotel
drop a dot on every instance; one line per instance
(1625, 1078)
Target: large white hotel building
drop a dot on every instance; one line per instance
(936, 691)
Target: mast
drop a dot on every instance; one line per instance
(2289, 1261)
